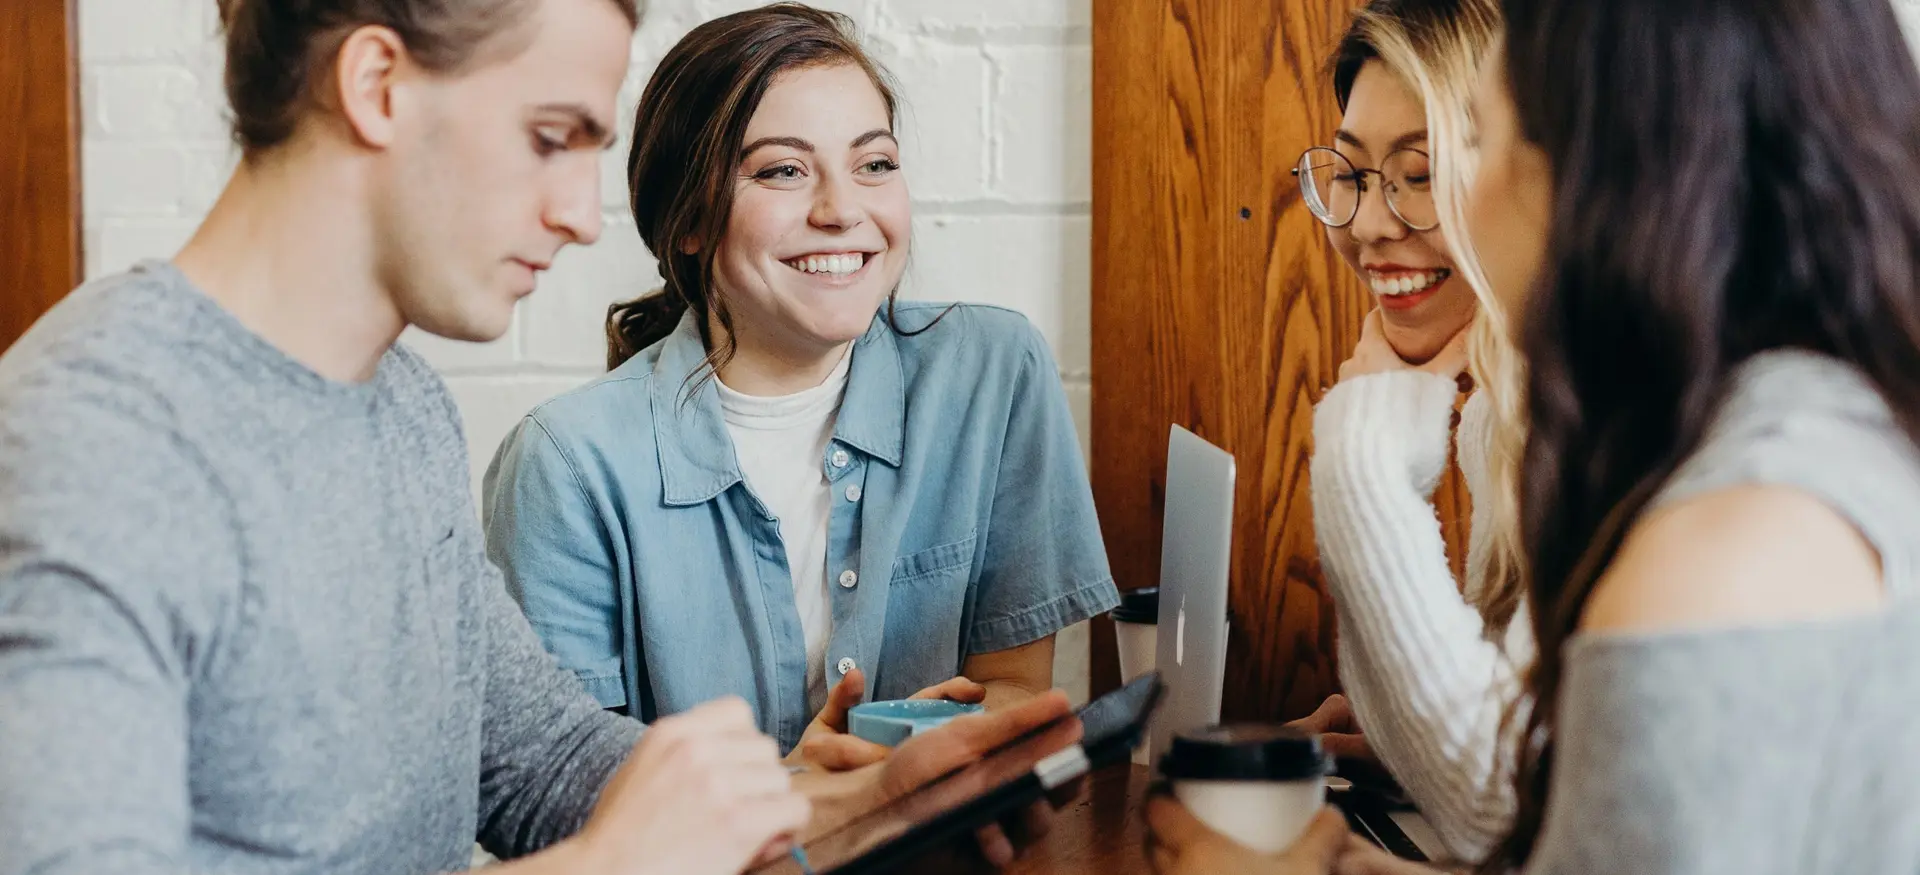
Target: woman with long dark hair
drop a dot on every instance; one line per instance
(1703, 211)
(1704, 208)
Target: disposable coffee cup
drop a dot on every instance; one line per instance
(1136, 628)
(1259, 785)
(1136, 633)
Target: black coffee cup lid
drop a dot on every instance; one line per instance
(1138, 606)
(1246, 752)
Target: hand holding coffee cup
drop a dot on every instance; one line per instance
(829, 742)
(1258, 785)
(1179, 844)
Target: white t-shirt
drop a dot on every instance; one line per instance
(781, 443)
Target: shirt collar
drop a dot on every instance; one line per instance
(697, 461)
(873, 416)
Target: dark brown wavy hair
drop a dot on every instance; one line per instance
(1729, 177)
(279, 51)
(687, 136)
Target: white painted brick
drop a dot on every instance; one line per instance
(669, 20)
(943, 116)
(986, 15)
(209, 166)
(491, 406)
(154, 100)
(1038, 265)
(112, 30)
(456, 356)
(1042, 124)
(112, 248)
(135, 179)
(613, 164)
(1080, 403)
(614, 199)
(565, 318)
(665, 24)
(861, 11)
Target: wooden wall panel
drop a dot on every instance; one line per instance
(1132, 217)
(39, 161)
(1217, 304)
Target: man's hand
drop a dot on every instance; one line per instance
(825, 744)
(703, 793)
(966, 740)
(1179, 844)
(934, 754)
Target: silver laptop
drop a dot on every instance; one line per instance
(1195, 551)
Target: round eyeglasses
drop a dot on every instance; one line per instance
(1333, 187)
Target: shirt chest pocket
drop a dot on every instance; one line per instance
(947, 563)
(927, 601)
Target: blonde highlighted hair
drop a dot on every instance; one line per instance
(1436, 48)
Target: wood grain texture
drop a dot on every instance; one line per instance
(39, 162)
(1219, 305)
(1134, 228)
(1103, 832)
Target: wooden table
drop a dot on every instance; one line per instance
(1101, 833)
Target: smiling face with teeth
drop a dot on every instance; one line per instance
(1423, 304)
(817, 237)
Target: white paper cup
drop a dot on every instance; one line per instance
(1137, 642)
(1136, 633)
(1257, 785)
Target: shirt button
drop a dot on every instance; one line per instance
(848, 578)
(840, 458)
(846, 664)
(853, 493)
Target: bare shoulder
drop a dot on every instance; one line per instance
(1748, 555)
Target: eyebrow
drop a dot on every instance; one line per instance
(594, 129)
(872, 135)
(1401, 142)
(800, 145)
(794, 143)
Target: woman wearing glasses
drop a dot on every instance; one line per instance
(1430, 674)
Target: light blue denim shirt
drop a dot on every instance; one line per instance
(649, 567)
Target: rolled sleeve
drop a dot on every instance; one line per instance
(991, 634)
(558, 557)
(1044, 564)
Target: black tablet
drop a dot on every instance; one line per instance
(1004, 781)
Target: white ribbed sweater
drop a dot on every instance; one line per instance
(1428, 688)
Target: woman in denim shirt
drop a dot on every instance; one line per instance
(788, 479)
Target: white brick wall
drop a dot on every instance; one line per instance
(997, 137)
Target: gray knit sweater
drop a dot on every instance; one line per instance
(246, 623)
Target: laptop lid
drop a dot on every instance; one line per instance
(1195, 550)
